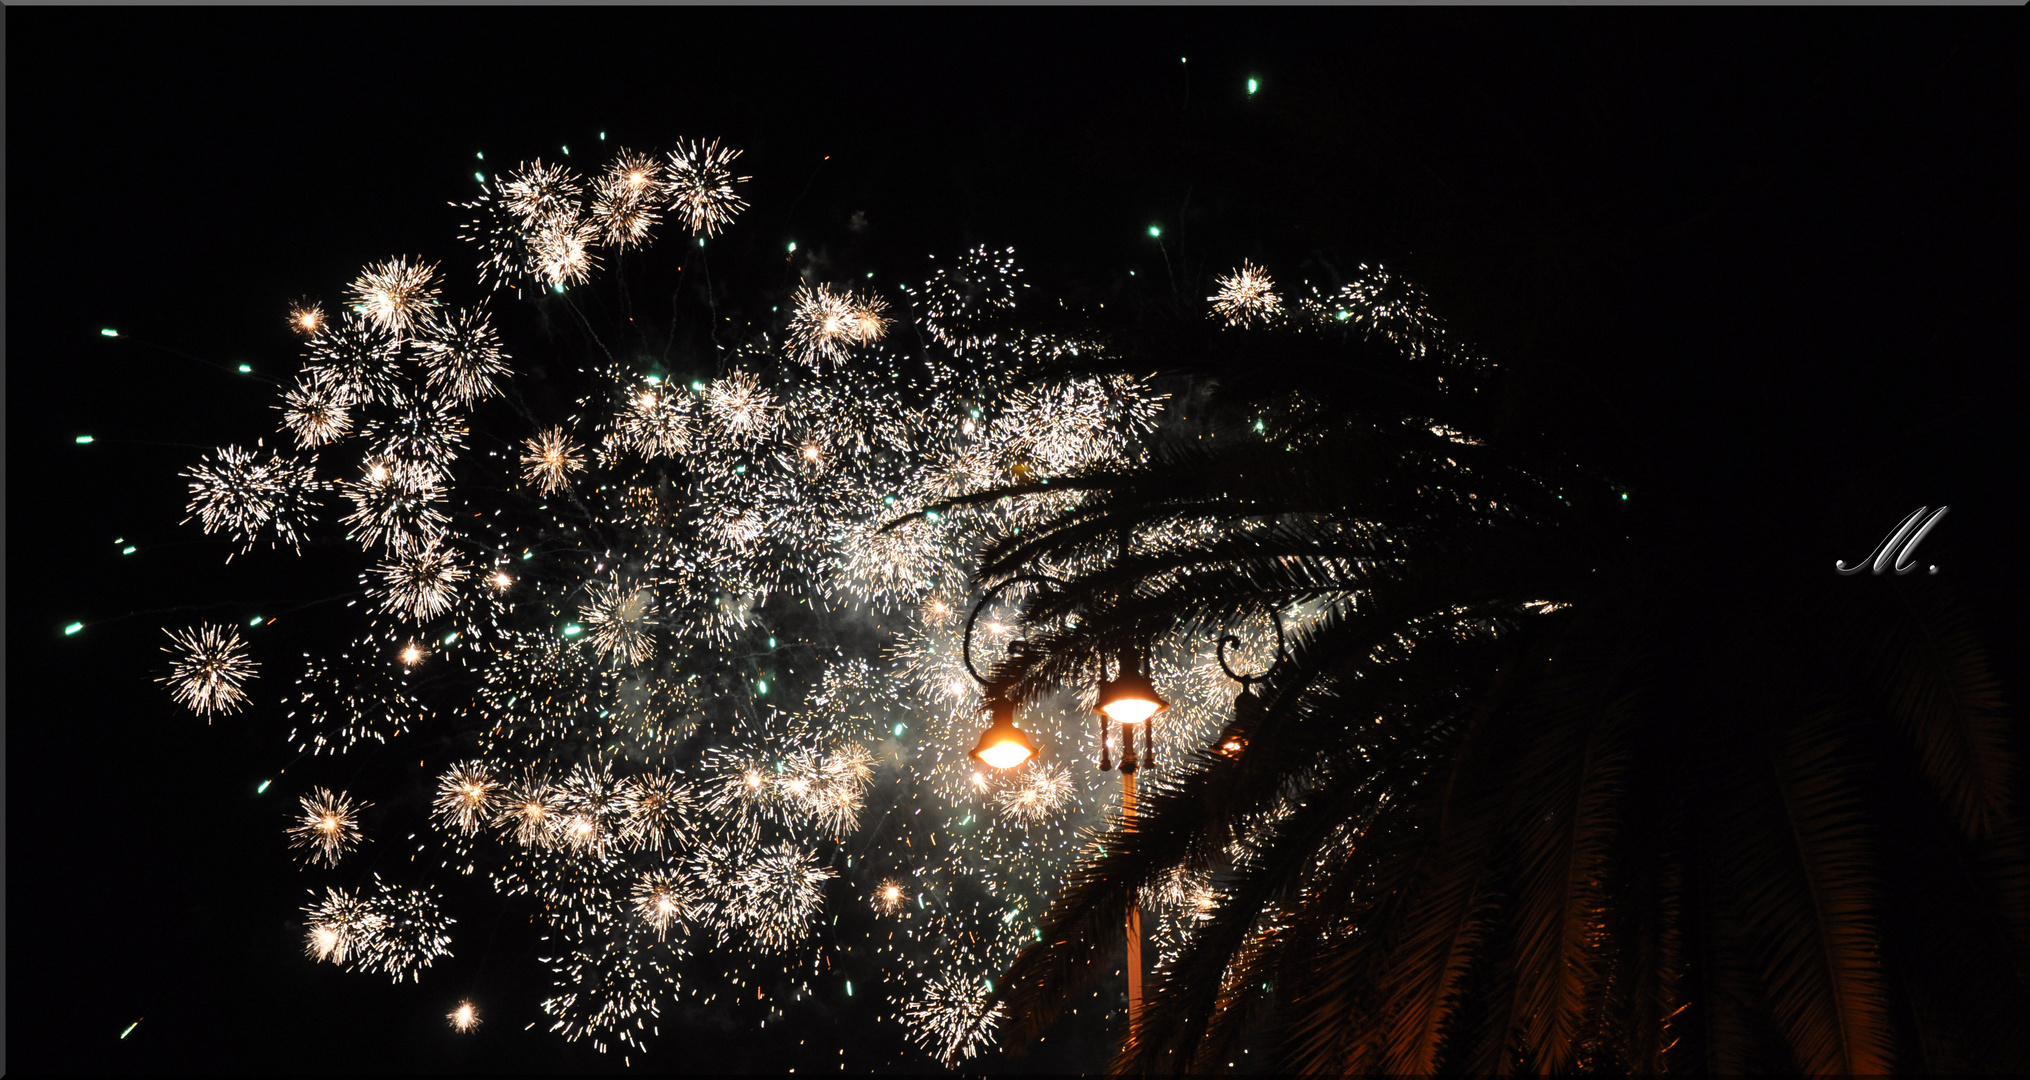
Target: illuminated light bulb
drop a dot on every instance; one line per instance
(1003, 745)
(1130, 698)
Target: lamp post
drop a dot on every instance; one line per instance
(1128, 700)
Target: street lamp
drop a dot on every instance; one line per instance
(1248, 709)
(1130, 700)
(1003, 745)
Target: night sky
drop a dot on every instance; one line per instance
(1764, 268)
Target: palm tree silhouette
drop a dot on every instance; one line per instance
(1557, 786)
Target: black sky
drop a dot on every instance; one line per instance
(1764, 267)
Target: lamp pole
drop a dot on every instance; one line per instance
(1134, 914)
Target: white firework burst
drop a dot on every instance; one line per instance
(236, 491)
(208, 669)
(467, 796)
(409, 931)
(662, 898)
(537, 192)
(549, 459)
(357, 358)
(698, 186)
(624, 204)
(422, 583)
(327, 827)
(740, 407)
(424, 432)
(560, 251)
(656, 811)
(315, 412)
(395, 294)
(620, 621)
(825, 321)
(462, 355)
(656, 422)
(1039, 796)
(1245, 295)
(954, 1017)
(395, 506)
(338, 925)
(777, 894)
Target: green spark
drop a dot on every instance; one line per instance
(1624, 496)
(130, 1028)
(762, 687)
(246, 369)
(568, 149)
(653, 380)
(262, 787)
(1253, 86)
(698, 385)
(451, 637)
(771, 643)
(109, 332)
(73, 628)
(792, 247)
(479, 176)
(849, 988)
(128, 550)
(1155, 230)
(602, 136)
(573, 630)
(255, 621)
(899, 729)
(83, 439)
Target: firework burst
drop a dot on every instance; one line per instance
(395, 294)
(467, 796)
(327, 827)
(698, 185)
(1246, 295)
(549, 459)
(208, 669)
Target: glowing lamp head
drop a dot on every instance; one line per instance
(1003, 745)
(1130, 698)
(1233, 742)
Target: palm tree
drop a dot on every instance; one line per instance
(1550, 789)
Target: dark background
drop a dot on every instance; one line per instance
(1764, 268)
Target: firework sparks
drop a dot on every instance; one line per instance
(825, 321)
(1041, 795)
(463, 1018)
(395, 294)
(620, 621)
(208, 669)
(549, 459)
(463, 356)
(235, 491)
(536, 192)
(699, 187)
(328, 826)
(421, 584)
(624, 208)
(338, 925)
(953, 1017)
(409, 931)
(633, 665)
(315, 412)
(1245, 295)
(467, 796)
(306, 318)
(357, 358)
(660, 898)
